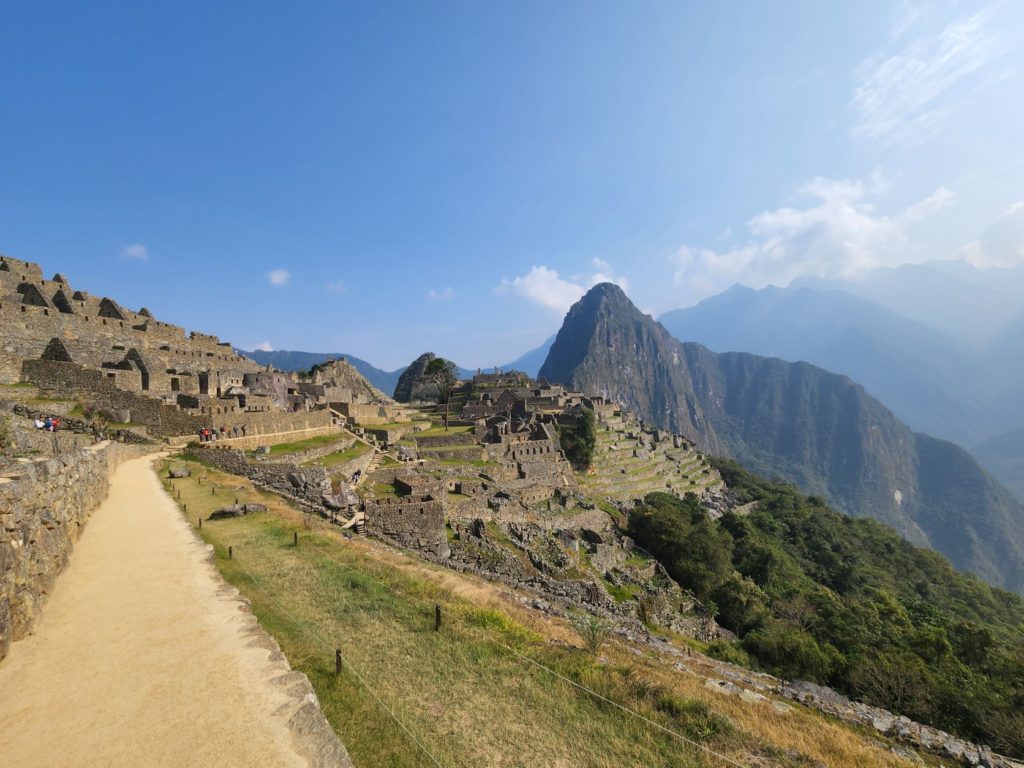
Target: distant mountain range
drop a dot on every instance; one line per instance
(941, 344)
(799, 422)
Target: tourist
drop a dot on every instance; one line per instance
(39, 423)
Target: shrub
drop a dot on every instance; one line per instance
(593, 630)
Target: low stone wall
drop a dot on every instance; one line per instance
(349, 468)
(460, 452)
(307, 484)
(31, 440)
(42, 511)
(388, 474)
(249, 442)
(460, 439)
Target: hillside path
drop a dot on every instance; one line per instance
(139, 658)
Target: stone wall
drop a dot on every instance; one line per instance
(43, 506)
(416, 523)
(307, 484)
(251, 442)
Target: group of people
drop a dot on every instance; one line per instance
(209, 434)
(49, 424)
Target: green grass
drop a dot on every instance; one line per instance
(623, 593)
(344, 456)
(438, 431)
(304, 445)
(385, 490)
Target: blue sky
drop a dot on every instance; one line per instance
(386, 178)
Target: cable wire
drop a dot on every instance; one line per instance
(627, 710)
(345, 660)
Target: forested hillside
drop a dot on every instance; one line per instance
(816, 595)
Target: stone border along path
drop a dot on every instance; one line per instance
(145, 656)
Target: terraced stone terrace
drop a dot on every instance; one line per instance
(626, 468)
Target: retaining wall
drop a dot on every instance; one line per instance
(43, 507)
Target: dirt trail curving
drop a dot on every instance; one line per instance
(142, 656)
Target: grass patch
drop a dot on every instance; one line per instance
(622, 593)
(344, 456)
(438, 431)
(304, 445)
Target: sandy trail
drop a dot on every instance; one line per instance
(140, 659)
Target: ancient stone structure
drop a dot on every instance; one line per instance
(93, 350)
(51, 320)
(43, 506)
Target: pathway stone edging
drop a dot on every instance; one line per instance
(313, 738)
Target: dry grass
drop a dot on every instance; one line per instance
(470, 701)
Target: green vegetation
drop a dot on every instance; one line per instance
(821, 596)
(593, 630)
(299, 446)
(443, 375)
(579, 439)
(440, 430)
(344, 456)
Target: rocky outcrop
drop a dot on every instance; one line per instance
(410, 386)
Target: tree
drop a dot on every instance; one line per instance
(443, 375)
(578, 439)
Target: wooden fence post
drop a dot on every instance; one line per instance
(437, 618)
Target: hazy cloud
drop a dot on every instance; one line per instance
(1002, 244)
(900, 97)
(279, 277)
(136, 251)
(838, 236)
(443, 295)
(265, 346)
(544, 286)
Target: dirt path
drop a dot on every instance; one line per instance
(142, 657)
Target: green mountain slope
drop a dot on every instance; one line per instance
(815, 595)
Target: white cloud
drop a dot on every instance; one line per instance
(838, 236)
(136, 251)
(336, 287)
(544, 286)
(443, 295)
(279, 277)
(1002, 244)
(266, 346)
(900, 97)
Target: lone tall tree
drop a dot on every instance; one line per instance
(443, 375)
